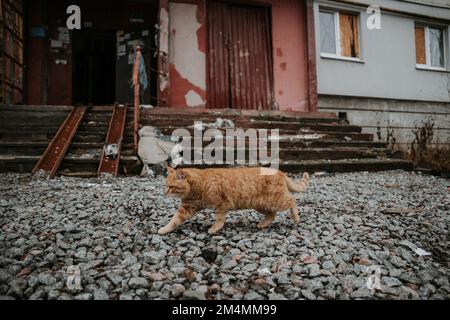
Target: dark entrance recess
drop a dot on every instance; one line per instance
(124, 65)
(94, 67)
(240, 56)
(103, 52)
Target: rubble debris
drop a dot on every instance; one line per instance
(156, 153)
(313, 136)
(111, 150)
(392, 186)
(224, 124)
(218, 124)
(419, 251)
(146, 106)
(402, 210)
(323, 174)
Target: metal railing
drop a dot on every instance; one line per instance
(137, 88)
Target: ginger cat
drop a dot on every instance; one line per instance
(231, 189)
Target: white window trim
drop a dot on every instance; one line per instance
(337, 57)
(428, 65)
(337, 37)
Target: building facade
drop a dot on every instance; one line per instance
(388, 73)
(215, 54)
(397, 77)
(239, 54)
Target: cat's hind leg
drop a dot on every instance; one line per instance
(287, 201)
(267, 220)
(221, 215)
(295, 215)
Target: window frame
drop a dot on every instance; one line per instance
(427, 65)
(337, 35)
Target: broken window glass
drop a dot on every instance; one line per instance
(436, 47)
(327, 33)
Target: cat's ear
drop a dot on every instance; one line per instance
(171, 170)
(181, 174)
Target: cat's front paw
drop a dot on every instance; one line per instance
(262, 225)
(163, 231)
(213, 230)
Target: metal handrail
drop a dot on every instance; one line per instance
(136, 96)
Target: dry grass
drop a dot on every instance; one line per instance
(426, 154)
(436, 158)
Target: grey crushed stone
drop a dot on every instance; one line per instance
(108, 229)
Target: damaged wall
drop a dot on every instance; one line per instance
(398, 118)
(50, 82)
(188, 53)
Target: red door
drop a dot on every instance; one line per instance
(240, 57)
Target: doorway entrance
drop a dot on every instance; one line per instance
(94, 67)
(240, 74)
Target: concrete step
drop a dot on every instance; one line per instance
(26, 131)
(347, 165)
(186, 121)
(25, 164)
(290, 126)
(307, 141)
(296, 154)
(84, 127)
(287, 136)
(37, 148)
(195, 113)
(342, 165)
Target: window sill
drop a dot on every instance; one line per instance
(428, 68)
(336, 57)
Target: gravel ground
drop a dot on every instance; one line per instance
(106, 231)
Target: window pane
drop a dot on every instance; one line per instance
(327, 33)
(436, 47)
(348, 24)
(420, 45)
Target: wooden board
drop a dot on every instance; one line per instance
(420, 45)
(349, 35)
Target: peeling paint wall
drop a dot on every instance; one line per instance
(188, 58)
(163, 45)
(187, 55)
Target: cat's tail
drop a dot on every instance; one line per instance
(298, 186)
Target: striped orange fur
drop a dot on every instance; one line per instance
(264, 190)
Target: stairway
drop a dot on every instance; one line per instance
(308, 141)
(26, 131)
